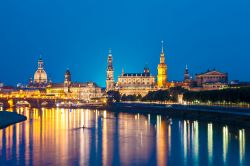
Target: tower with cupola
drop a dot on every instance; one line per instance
(110, 83)
(40, 76)
(67, 81)
(162, 70)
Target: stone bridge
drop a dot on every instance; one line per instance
(31, 102)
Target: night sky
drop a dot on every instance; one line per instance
(77, 34)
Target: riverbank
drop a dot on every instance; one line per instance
(233, 116)
(9, 118)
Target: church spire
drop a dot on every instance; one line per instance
(162, 47)
(186, 73)
(162, 57)
(122, 71)
(110, 51)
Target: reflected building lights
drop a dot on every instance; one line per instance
(105, 141)
(161, 142)
(185, 140)
(27, 141)
(195, 139)
(96, 119)
(225, 142)
(105, 114)
(169, 139)
(242, 145)
(210, 142)
(57, 131)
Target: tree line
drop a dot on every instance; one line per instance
(233, 95)
(159, 95)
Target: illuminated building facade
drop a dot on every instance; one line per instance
(211, 77)
(136, 83)
(162, 71)
(28, 92)
(211, 80)
(83, 91)
(110, 82)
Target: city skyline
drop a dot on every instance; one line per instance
(117, 73)
(79, 39)
(192, 75)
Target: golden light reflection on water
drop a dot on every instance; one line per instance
(111, 139)
(106, 144)
(161, 142)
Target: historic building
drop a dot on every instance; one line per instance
(142, 83)
(186, 74)
(110, 82)
(187, 81)
(82, 91)
(162, 71)
(136, 83)
(67, 81)
(40, 76)
(211, 80)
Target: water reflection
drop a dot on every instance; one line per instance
(225, 143)
(56, 137)
(210, 142)
(195, 138)
(242, 145)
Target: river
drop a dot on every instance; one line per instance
(56, 137)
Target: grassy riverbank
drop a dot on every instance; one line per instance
(9, 118)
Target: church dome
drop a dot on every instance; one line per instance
(40, 76)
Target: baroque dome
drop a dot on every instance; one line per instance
(40, 76)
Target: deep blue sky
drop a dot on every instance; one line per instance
(76, 34)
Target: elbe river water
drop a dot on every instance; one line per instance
(56, 137)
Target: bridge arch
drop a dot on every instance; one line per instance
(23, 103)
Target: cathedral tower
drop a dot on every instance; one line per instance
(67, 81)
(162, 70)
(110, 83)
(67, 77)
